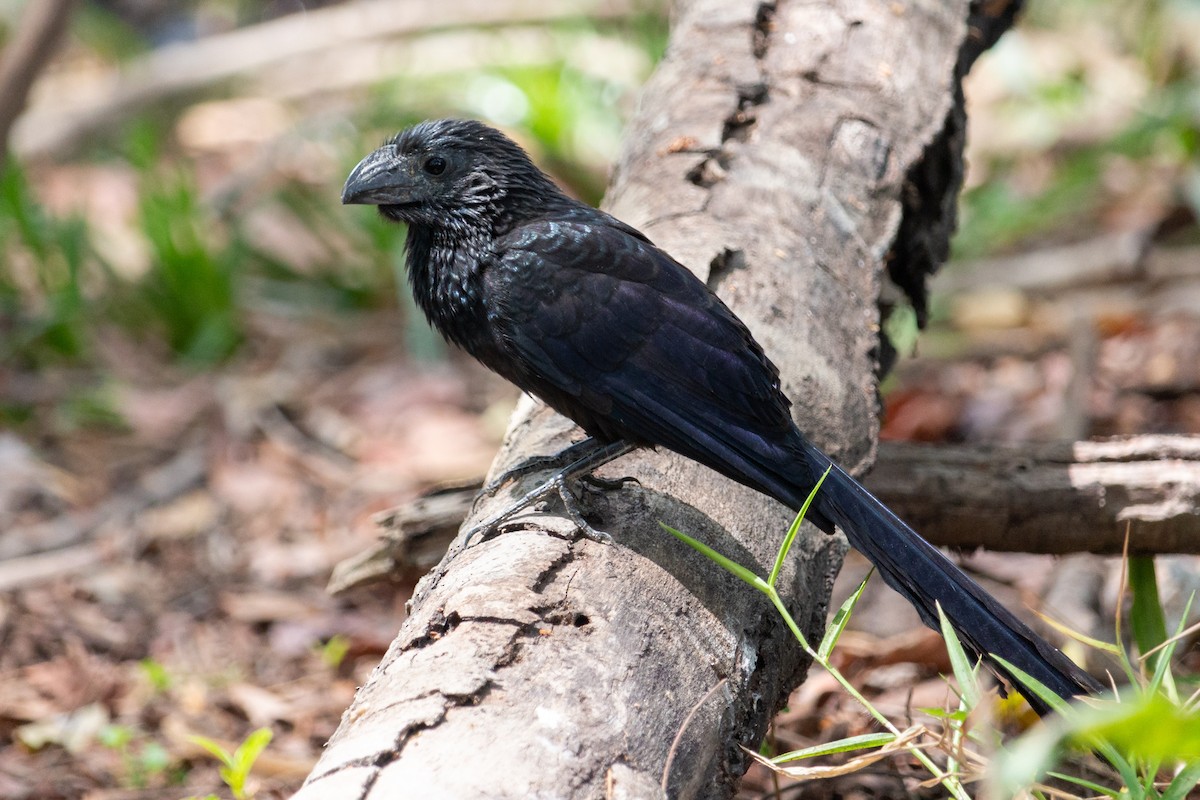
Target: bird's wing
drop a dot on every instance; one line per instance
(614, 328)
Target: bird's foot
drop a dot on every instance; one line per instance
(575, 511)
(556, 485)
(560, 460)
(581, 468)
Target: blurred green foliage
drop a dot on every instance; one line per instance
(42, 310)
(106, 35)
(189, 290)
(1114, 109)
(206, 270)
(1147, 730)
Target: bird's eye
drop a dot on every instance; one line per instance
(435, 165)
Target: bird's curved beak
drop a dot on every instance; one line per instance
(379, 179)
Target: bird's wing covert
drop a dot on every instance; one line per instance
(612, 321)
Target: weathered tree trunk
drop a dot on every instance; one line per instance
(778, 152)
(1063, 497)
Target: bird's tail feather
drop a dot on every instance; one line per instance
(926, 578)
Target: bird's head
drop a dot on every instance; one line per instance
(449, 173)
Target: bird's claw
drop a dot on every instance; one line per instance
(568, 455)
(571, 504)
(581, 467)
(556, 485)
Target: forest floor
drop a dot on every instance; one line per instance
(167, 533)
(163, 577)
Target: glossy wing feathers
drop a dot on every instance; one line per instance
(616, 323)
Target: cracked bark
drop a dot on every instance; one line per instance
(770, 154)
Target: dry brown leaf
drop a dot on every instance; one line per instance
(261, 706)
(185, 516)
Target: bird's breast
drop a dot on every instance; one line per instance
(447, 284)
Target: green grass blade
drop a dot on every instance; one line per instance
(251, 748)
(840, 620)
(790, 621)
(840, 746)
(214, 749)
(1040, 689)
(1162, 677)
(1089, 785)
(794, 529)
(1146, 614)
(784, 546)
(964, 670)
(726, 563)
(1083, 638)
(1119, 762)
(1181, 787)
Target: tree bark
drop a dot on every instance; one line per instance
(1066, 497)
(770, 153)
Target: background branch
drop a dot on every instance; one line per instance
(317, 46)
(1069, 497)
(1055, 498)
(37, 37)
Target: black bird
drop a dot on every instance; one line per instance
(578, 308)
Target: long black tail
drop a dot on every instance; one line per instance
(919, 571)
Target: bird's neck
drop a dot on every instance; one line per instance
(445, 260)
(444, 274)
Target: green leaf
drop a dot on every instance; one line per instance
(158, 675)
(1031, 683)
(841, 619)
(1146, 615)
(1089, 785)
(1055, 729)
(115, 737)
(333, 652)
(214, 748)
(1090, 641)
(840, 746)
(964, 670)
(788, 620)
(958, 715)
(1162, 677)
(1183, 783)
(729, 565)
(1146, 727)
(251, 748)
(794, 529)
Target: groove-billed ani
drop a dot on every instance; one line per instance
(583, 311)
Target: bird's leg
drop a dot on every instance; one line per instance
(594, 458)
(563, 458)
